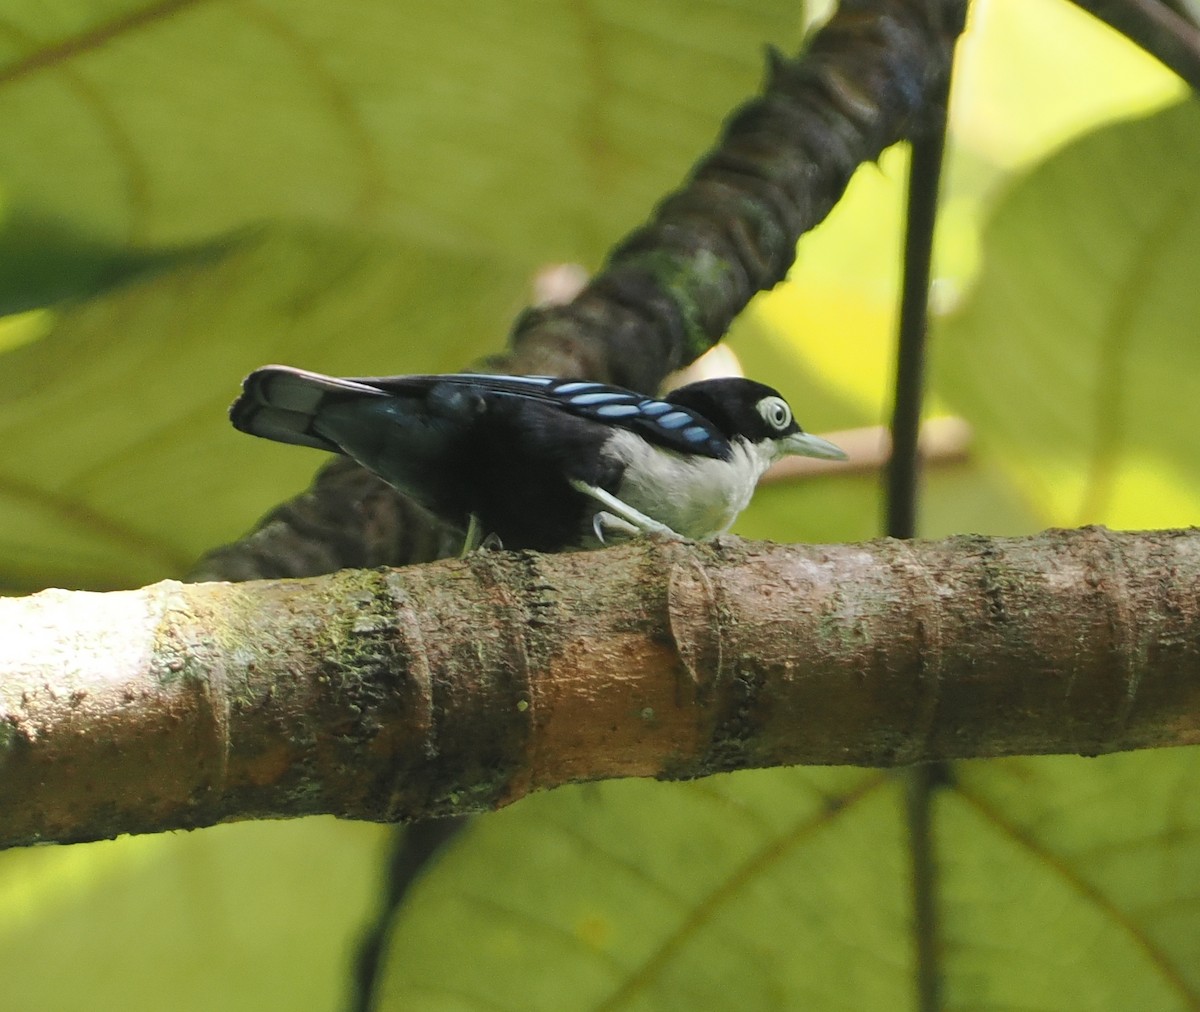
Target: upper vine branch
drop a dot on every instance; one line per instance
(672, 287)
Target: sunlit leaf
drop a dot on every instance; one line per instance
(248, 917)
(536, 133)
(779, 889)
(119, 466)
(1073, 883)
(1036, 73)
(1075, 359)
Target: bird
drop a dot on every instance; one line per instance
(541, 462)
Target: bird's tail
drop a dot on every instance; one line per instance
(281, 403)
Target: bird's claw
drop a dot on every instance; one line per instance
(610, 529)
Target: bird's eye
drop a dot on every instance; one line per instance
(775, 412)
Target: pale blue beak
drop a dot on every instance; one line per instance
(805, 444)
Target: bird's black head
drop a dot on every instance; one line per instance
(738, 407)
(752, 411)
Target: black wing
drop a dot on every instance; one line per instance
(468, 444)
(668, 425)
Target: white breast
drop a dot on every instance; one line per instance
(698, 497)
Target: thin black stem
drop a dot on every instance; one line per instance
(922, 784)
(924, 179)
(901, 514)
(415, 848)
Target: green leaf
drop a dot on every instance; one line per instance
(255, 916)
(776, 889)
(1076, 357)
(44, 261)
(533, 132)
(120, 466)
(1063, 883)
(1073, 883)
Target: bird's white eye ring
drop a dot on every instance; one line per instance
(775, 412)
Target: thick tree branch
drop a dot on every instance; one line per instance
(671, 288)
(433, 690)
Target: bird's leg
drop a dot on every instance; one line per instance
(472, 538)
(476, 540)
(623, 512)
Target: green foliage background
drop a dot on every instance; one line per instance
(192, 190)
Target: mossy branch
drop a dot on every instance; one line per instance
(462, 686)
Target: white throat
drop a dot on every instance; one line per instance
(698, 497)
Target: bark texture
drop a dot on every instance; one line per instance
(397, 695)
